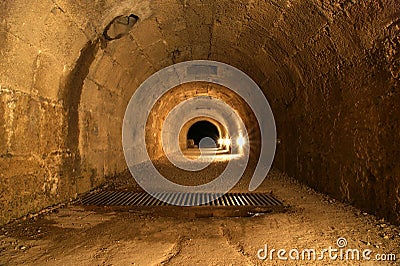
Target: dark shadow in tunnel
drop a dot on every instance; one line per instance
(200, 130)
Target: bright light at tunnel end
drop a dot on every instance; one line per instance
(133, 132)
(225, 143)
(241, 141)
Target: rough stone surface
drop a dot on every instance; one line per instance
(330, 70)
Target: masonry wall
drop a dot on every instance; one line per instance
(34, 158)
(339, 118)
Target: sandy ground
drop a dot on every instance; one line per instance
(74, 235)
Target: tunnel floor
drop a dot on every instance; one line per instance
(75, 235)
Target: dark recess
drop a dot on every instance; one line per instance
(203, 129)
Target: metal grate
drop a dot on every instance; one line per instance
(120, 198)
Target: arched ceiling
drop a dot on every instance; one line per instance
(280, 44)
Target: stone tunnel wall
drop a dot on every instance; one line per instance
(34, 158)
(328, 68)
(54, 101)
(339, 118)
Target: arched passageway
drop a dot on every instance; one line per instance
(329, 70)
(203, 129)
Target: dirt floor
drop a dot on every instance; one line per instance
(76, 235)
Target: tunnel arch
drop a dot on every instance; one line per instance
(329, 71)
(191, 91)
(183, 134)
(203, 129)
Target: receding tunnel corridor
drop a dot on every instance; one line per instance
(203, 129)
(199, 132)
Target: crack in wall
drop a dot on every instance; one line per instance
(71, 18)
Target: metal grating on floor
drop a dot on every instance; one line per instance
(120, 198)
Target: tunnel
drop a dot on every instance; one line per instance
(328, 71)
(203, 129)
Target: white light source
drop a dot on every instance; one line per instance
(227, 142)
(221, 141)
(241, 141)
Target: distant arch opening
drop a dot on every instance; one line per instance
(200, 130)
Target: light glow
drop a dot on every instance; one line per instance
(241, 141)
(227, 142)
(224, 142)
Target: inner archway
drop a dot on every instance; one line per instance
(202, 129)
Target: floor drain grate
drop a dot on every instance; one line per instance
(123, 198)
